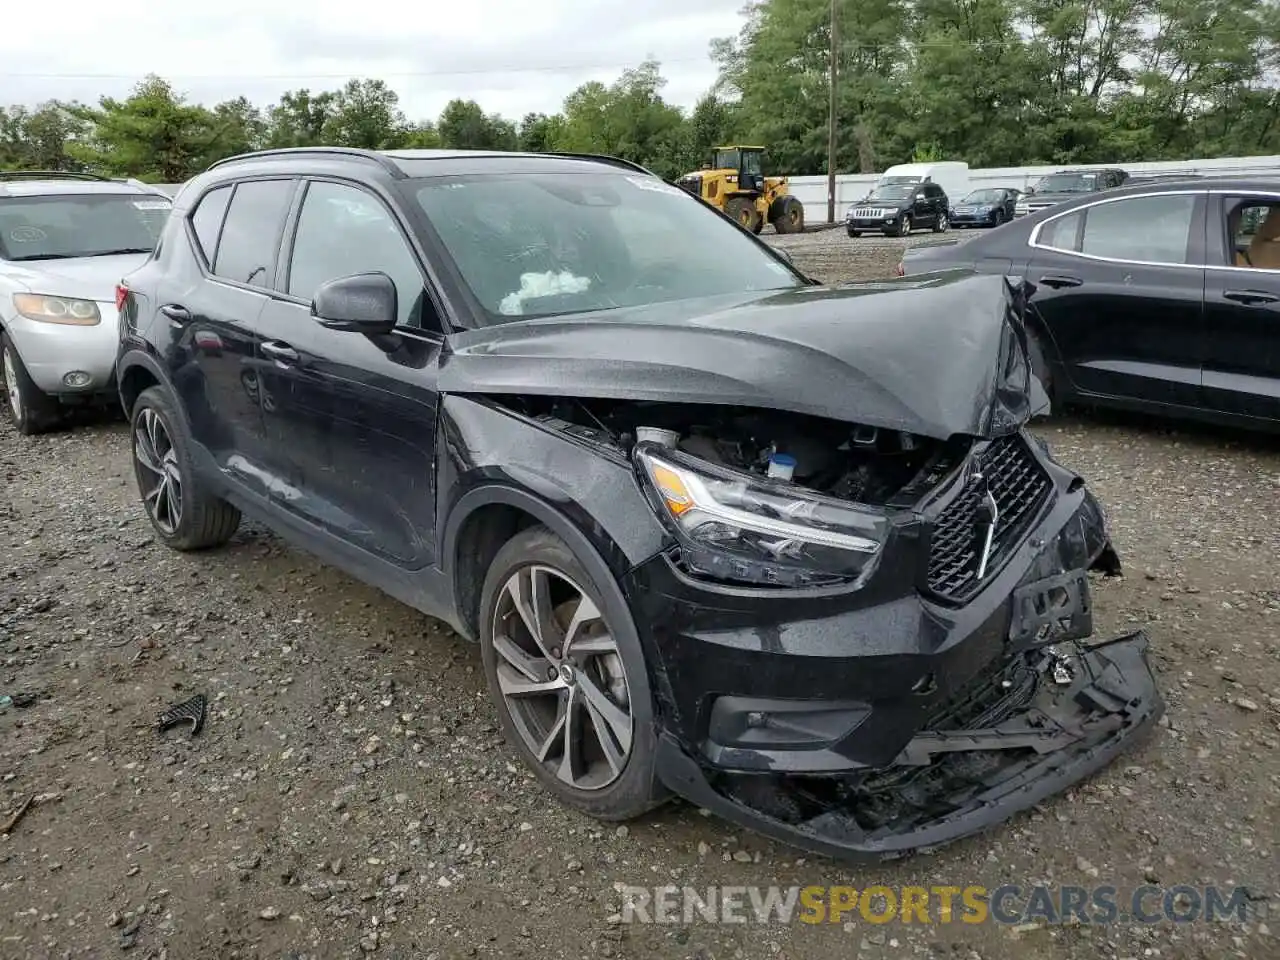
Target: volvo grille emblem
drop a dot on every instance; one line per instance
(985, 526)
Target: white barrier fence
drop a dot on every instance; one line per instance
(812, 191)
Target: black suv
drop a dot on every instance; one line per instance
(1056, 188)
(895, 209)
(783, 549)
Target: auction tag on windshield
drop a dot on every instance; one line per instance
(151, 204)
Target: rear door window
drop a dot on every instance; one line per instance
(251, 232)
(1144, 229)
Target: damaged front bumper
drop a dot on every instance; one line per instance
(871, 725)
(1074, 714)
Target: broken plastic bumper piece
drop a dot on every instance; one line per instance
(1040, 721)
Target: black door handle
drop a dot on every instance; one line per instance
(1061, 281)
(176, 312)
(279, 352)
(1250, 297)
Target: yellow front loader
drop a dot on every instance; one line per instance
(734, 182)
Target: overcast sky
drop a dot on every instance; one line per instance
(513, 56)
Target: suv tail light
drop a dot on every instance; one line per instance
(122, 294)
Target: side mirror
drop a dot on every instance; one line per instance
(362, 303)
(919, 196)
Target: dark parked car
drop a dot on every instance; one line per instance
(785, 550)
(1066, 185)
(988, 207)
(1162, 297)
(895, 209)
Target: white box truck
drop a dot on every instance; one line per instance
(951, 175)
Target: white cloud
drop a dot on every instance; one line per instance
(513, 56)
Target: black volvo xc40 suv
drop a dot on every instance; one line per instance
(780, 548)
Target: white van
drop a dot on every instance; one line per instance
(951, 175)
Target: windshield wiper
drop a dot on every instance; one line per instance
(81, 256)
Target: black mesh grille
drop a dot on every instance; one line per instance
(1019, 485)
(987, 701)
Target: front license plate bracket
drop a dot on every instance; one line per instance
(1051, 610)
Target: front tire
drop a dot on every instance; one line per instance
(30, 409)
(904, 225)
(184, 514)
(571, 690)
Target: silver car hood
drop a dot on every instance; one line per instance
(87, 278)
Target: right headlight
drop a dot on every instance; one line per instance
(740, 527)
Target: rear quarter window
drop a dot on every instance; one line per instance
(206, 220)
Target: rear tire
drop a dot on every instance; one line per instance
(592, 680)
(183, 512)
(941, 224)
(30, 409)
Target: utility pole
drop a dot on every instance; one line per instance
(831, 120)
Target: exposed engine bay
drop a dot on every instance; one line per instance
(846, 461)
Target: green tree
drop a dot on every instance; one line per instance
(1202, 82)
(713, 123)
(464, 125)
(971, 91)
(779, 68)
(539, 133)
(629, 120)
(154, 134)
(238, 127)
(38, 139)
(300, 118)
(422, 136)
(992, 82)
(365, 113)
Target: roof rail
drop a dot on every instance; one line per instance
(385, 162)
(603, 158)
(50, 175)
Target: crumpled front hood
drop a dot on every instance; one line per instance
(937, 357)
(86, 278)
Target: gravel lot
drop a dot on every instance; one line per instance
(351, 796)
